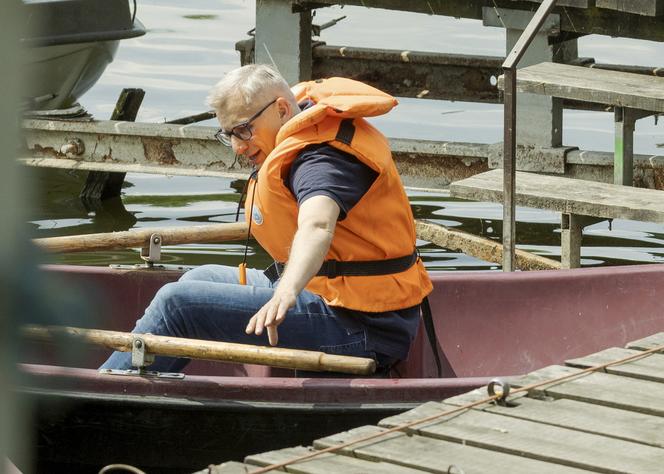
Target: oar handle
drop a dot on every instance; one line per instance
(210, 350)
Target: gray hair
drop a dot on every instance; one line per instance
(245, 85)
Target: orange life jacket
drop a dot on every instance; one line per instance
(379, 227)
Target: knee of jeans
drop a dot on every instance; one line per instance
(199, 273)
(211, 272)
(167, 298)
(160, 314)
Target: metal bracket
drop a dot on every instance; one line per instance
(140, 358)
(144, 373)
(580, 220)
(152, 253)
(163, 266)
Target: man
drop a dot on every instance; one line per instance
(325, 198)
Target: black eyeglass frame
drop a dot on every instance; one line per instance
(242, 130)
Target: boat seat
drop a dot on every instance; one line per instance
(633, 96)
(580, 202)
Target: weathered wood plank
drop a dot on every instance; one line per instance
(592, 85)
(626, 393)
(650, 367)
(545, 442)
(566, 195)
(566, 3)
(640, 7)
(587, 417)
(577, 20)
(325, 463)
(647, 343)
(435, 455)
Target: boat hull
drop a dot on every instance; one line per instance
(488, 324)
(69, 44)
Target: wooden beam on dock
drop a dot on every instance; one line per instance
(419, 74)
(579, 17)
(101, 185)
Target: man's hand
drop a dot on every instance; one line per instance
(271, 315)
(316, 221)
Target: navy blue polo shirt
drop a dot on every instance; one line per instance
(322, 170)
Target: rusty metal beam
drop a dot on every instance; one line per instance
(193, 151)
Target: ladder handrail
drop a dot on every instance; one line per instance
(509, 133)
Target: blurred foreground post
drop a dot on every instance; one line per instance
(11, 236)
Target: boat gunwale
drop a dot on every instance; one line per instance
(136, 30)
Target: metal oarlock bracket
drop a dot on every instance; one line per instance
(152, 253)
(145, 373)
(140, 358)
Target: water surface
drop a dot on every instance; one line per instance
(189, 46)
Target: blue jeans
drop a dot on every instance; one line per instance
(209, 303)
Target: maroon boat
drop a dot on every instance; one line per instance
(488, 324)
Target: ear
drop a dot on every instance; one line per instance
(284, 109)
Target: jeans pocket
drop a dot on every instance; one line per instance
(357, 347)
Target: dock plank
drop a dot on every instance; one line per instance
(623, 89)
(548, 443)
(647, 343)
(626, 393)
(436, 455)
(566, 195)
(326, 463)
(587, 417)
(640, 7)
(650, 367)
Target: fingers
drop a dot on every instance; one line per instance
(272, 335)
(269, 316)
(251, 327)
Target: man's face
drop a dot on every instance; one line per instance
(253, 130)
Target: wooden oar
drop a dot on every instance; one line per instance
(452, 239)
(210, 350)
(479, 247)
(200, 234)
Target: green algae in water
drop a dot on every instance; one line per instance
(201, 17)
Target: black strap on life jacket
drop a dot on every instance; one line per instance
(427, 318)
(336, 268)
(346, 131)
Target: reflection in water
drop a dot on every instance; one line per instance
(62, 212)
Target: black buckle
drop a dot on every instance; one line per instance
(272, 272)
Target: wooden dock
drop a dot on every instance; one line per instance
(609, 419)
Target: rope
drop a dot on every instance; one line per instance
(452, 411)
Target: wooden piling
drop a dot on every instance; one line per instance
(100, 185)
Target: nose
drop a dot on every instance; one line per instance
(239, 146)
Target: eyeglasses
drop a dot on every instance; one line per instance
(241, 130)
